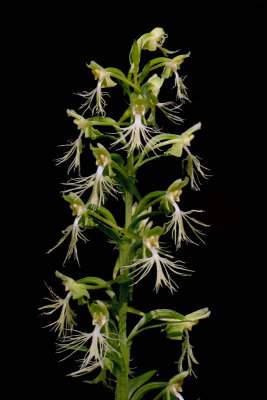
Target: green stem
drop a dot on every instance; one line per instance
(122, 383)
(126, 81)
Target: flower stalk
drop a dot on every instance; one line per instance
(105, 345)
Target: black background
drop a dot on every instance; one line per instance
(224, 78)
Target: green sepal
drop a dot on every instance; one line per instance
(88, 222)
(153, 100)
(199, 314)
(78, 290)
(177, 185)
(91, 132)
(165, 204)
(150, 41)
(101, 377)
(157, 231)
(73, 198)
(107, 81)
(140, 380)
(81, 301)
(179, 377)
(140, 393)
(152, 88)
(175, 331)
(98, 307)
(99, 150)
(176, 150)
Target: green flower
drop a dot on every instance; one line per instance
(74, 230)
(100, 341)
(101, 181)
(78, 290)
(159, 259)
(152, 40)
(171, 67)
(178, 217)
(104, 81)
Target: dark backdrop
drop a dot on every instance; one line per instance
(224, 77)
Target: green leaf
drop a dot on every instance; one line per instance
(140, 380)
(144, 73)
(116, 268)
(111, 233)
(107, 214)
(135, 54)
(146, 199)
(135, 311)
(125, 87)
(139, 394)
(118, 159)
(126, 182)
(144, 216)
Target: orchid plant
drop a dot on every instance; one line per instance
(130, 142)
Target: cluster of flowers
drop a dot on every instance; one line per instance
(136, 133)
